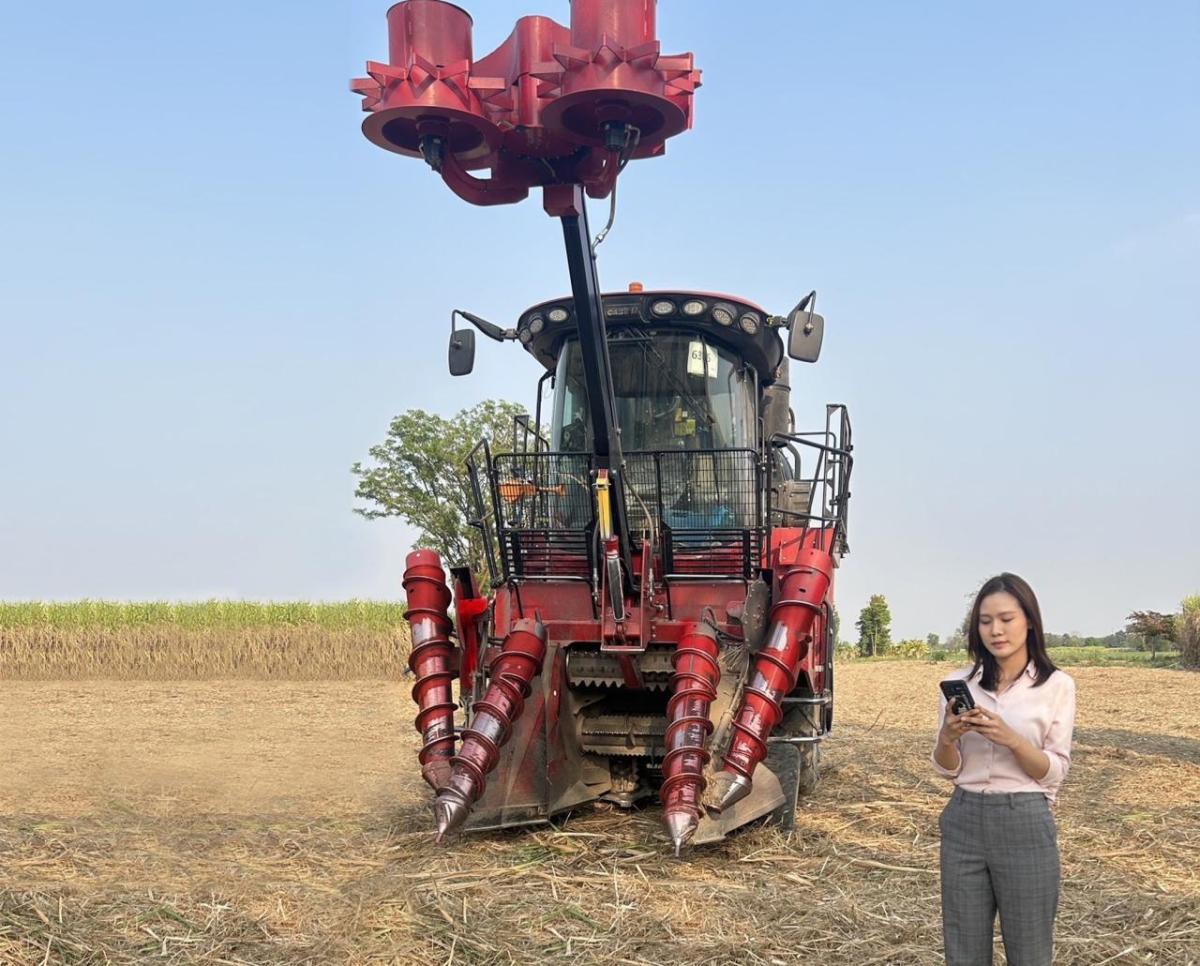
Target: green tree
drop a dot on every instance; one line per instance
(933, 642)
(417, 475)
(874, 627)
(1152, 627)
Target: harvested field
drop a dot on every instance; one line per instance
(263, 822)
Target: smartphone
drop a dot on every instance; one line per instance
(958, 695)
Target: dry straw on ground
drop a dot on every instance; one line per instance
(263, 823)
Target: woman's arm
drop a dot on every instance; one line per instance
(1058, 736)
(945, 754)
(1033, 761)
(1048, 764)
(946, 758)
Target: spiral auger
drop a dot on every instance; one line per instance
(776, 666)
(433, 661)
(519, 662)
(694, 688)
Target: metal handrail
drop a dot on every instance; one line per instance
(829, 482)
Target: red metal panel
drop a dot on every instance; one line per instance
(517, 110)
(437, 31)
(468, 609)
(627, 22)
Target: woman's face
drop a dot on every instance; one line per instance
(1003, 626)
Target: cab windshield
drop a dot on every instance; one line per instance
(674, 391)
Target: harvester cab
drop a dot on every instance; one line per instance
(657, 611)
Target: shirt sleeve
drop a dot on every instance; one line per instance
(946, 772)
(1057, 743)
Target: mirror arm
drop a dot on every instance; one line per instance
(808, 303)
(483, 325)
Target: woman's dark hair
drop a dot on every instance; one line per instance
(1035, 642)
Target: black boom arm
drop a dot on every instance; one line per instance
(593, 345)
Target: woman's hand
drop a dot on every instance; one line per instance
(955, 725)
(992, 727)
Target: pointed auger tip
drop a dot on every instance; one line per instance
(450, 815)
(680, 827)
(738, 789)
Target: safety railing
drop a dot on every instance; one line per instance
(808, 478)
(535, 511)
(543, 514)
(481, 495)
(527, 436)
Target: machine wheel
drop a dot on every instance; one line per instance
(784, 761)
(810, 769)
(798, 769)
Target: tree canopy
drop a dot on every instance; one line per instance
(1151, 624)
(418, 476)
(874, 626)
(1152, 627)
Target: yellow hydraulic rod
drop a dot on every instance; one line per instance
(604, 504)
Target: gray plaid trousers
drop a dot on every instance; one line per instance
(999, 853)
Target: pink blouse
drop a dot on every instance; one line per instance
(1045, 715)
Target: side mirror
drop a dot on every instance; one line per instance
(807, 333)
(462, 352)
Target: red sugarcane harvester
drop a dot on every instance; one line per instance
(657, 612)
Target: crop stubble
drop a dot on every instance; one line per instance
(257, 821)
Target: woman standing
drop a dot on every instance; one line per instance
(1007, 758)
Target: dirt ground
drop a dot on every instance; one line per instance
(250, 822)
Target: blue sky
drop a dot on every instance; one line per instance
(214, 292)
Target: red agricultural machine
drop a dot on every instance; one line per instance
(657, 612)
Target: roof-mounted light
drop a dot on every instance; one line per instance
(663, 307)
(525, 336)
(536, 324)
(558, 314)
(750, 323)
(694, 307)
(724, 314)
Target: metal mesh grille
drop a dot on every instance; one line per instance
(544, 513)
(709, 505)
(705, 504)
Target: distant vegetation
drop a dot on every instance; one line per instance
(1149, 639)
(1114, 657)
(215, 639)
(209, 613)
(158, 640)
(1094, 655)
